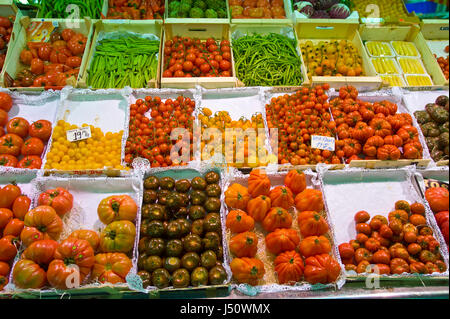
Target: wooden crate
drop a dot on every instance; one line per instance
(105, 9)
(200, 31)
(8, 8)
(289, 17)
(411, 34)
(316, 31)
(195, 21)
(135, 26)
(13, 66)
(265, 29)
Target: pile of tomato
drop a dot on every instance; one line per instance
(401, 243)
(297, 117)
(187, 57)
(51, 63)
(6, 27)
(151, 124)
(373, 130)
(22, 144)
(47, 259)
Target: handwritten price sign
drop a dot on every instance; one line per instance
(323, 143)
(79, 134)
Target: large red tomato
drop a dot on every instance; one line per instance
(44, 219)
(30, 235)
(41, 252)
(111, 267)
(438, 199)
(8, 249)
(6, 102)
(321, 269)
(29, 275)
(41, 129)
(309, 200)
(70, 252)
(18, 126)
(59, 199)
(116, 208)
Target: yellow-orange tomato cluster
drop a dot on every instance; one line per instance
(100, 151)
(332, 58)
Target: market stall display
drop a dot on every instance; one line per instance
(25, 129)
(375, 128)
(91, 140)
(407, 49)
(277, 232)
(213, 65)
(153, 118)
(198, 149)
(180, 242)
(400, 237)
(197, 9)
(248, 123)
(335, 54)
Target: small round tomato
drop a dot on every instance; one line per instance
(363, 254)
(33, 146)
(225, 65)
(8, 160)
(11, 144)
(30, 162)
(41, 129)
(363, 228)
(18, 126)
(362, 217)
(382, 257)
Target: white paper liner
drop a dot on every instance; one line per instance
(277, 178)
(438, 47)
(238, 102)
(106, 109)
(193, 170)
(87, 193)
(353, 189)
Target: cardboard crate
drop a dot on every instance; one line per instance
(8, 8)
(140, 27)
(410, 34)
(316, 31)
(194, 20)
(290, 18)
(13, 65)
(264, 29)
(202, 32)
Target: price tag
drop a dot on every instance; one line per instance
(432, 183)
(79, 134)
(323, 143)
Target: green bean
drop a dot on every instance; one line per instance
(267, 60)
(57, 8)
